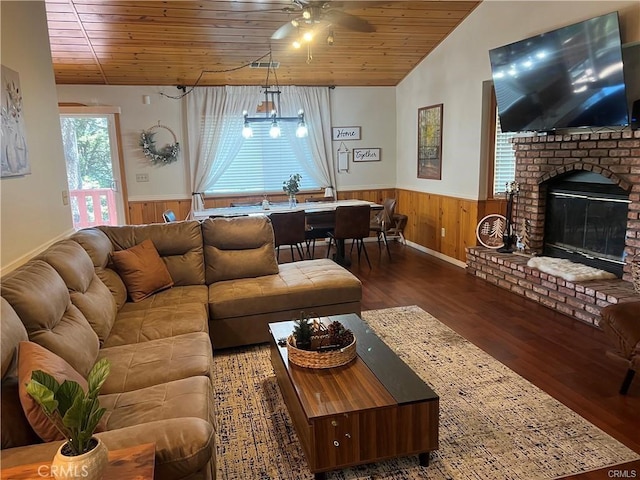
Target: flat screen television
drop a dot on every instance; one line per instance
(567, 78)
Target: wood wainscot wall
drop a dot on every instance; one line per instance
(429, 213)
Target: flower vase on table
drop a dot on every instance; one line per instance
(291, 187)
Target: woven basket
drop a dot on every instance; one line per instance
(635, 272)
(325, 359)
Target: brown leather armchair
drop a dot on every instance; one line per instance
(621, 325)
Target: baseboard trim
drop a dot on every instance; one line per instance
(439, 255)
(18, 262)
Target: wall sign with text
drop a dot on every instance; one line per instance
(345, 133)
(366, 154)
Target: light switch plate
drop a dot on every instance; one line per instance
(142, 177)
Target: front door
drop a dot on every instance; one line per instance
(93, 166)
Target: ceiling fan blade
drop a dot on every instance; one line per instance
(283, 32)
(351, 22)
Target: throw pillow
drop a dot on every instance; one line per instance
(142, 270)
(32, 356)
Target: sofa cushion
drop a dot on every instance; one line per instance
(178, 243)
(41, 299)
(99, 248)
(172, 297)
(136, 326)
(32, 356)
(299, 285)
(142, 270)
(240, 247)
(87, 291)
(14, 427)
(187, 397)
(12, 332)
(157, 361)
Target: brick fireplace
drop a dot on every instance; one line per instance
(539, 159)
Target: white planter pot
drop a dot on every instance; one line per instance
(88, 466)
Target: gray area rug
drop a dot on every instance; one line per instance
(494, 424)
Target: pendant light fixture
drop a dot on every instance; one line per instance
(272, 98)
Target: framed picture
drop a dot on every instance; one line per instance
(366, 154)
(13, 158)
(430, 142)
(345, 133)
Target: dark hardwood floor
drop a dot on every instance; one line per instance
(564, 357)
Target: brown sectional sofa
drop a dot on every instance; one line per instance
(227, 288)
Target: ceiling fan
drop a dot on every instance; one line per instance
(312, 14)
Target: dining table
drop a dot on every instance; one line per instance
(313, 210)
(309, 208)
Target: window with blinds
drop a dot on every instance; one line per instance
(504, 168)
(264, 163)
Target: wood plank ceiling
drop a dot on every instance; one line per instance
(118, 42)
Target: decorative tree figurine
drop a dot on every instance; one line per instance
(302, 332)
(522, 243)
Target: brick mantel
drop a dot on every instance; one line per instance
(540, 159)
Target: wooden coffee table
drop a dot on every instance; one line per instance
(373, 408)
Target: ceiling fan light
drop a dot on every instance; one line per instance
(296, 44)
(295, 23)
(330, 38)
(307, 36)
(306, 14)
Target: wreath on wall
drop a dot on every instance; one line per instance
(164, 156)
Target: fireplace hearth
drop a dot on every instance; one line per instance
(549, 169)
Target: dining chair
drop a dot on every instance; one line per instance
(382, 222)
(318, 227)
(289, 229)
(351, 222)
(169, 216)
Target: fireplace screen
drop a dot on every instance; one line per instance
(586, 223)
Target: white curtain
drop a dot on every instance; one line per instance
(314, 101)
(214, 126)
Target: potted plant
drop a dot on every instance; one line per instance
(76, 414)
(291, 187)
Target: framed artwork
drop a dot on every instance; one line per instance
(366, 154)
(345, 133)
(13, 159)
(430, 142)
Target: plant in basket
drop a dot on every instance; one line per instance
(315, 345)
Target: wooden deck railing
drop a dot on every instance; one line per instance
(93, 207)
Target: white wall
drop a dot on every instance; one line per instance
(365, 107)
(32, 213)
(166, 182)
(453, 74)
(372, 109)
